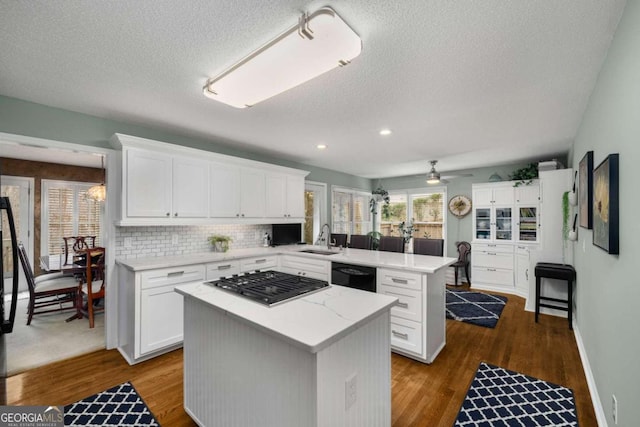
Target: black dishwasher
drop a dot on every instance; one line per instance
(353, 276)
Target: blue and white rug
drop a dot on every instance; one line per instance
(474, 307)
(499, 397)
(119, 406)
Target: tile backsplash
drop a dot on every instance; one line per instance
(143, 242)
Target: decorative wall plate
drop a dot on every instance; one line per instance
(460, 205)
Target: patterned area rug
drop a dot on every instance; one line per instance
(499, 397)
(474, 307)
(119, 406)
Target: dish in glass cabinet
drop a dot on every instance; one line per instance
(483, 224)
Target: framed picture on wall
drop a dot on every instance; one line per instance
(585, 191)
(606, 233)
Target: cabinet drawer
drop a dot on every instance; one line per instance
(492, 247)
(406, 335)
(305, 264)
(495, 276)
(216, 270)
(409, 305)
(493, 260)
(258, 263)
(171, 276)
(298, 272)
(399, 278)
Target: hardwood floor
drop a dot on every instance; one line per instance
(422, 395)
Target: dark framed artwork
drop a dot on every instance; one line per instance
(606, 233)
(585, 191)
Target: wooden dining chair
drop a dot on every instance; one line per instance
(76, 244)
(422, 246)
(93, 286)
(51, 291)
(391, 244)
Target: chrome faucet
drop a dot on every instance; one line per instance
(328, 236)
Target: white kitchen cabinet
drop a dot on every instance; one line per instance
(161, 186)
(303, 266)
(284, 196)
(258, 263)
(150, 317)
(236, 192)
(524, 270)
(164, 184)
(492, 266)
(528, 194)
(216, 270)
(418, 318)
(496, 194)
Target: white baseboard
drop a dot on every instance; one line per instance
(593, 391)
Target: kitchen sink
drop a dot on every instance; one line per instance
(319, 252)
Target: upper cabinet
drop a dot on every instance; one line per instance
(281, 196)
(159, 186)
(164, 184)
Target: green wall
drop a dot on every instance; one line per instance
(608, 291)
(36, 120)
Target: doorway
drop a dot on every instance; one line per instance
(315, 201)
(20, 194)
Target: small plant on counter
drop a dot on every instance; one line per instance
(524, 175)
(220, 243)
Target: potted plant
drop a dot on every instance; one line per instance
(524, 175)
(378, 195)
(375, 239)
(220, 243)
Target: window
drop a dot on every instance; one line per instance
(425, 209)
(350, 211)
(66, 211)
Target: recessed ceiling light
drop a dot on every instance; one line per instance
(321, 146)
(385, 132)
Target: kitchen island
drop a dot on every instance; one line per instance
(322, 359)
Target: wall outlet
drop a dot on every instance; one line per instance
(614, 408)
(174, 239)
(350, 391)
(127, 242)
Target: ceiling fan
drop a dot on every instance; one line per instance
(434, 177)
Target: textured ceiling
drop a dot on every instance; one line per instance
(470, 83)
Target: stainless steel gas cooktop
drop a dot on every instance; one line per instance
(269, 287)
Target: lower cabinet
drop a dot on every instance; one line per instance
(492, 266)
(302, 266)
(150, 318)
(418, 318)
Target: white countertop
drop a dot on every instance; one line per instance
(311, 322)
(410, 262)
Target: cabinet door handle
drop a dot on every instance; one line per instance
(237, 214)
(491, 269)
(242, 215)
(168, 214)
(402, 281)
(491, 253)
(260, 261)
(526, 273)
(175, 273)
(400, 335)
(402, 304)
(492, 246)
(175, 214)
(224, 267)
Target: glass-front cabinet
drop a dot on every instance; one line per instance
(493, 224)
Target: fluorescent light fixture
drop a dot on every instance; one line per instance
(320, 42)
(385, 132)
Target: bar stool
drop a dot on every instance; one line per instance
(560, 272)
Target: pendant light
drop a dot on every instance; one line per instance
(98, 192)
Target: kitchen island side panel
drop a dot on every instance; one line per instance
(435, 325)
(237, 376)
(365, 354)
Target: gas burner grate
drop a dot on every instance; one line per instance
(269, 287)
